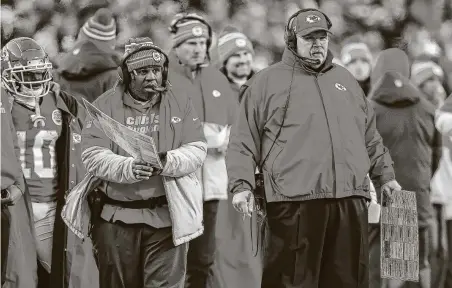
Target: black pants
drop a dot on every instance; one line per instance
(201, 252)
(138, 256)
(6, 222)
(317, 244)
(448, 281)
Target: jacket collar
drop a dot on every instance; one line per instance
(61, 102)
(182, 69)
(292, 59)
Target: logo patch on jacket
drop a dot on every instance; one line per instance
(2, 109)
(340, 87)
(175, 120)
(56, 117)
(77, 138)
(216, 93)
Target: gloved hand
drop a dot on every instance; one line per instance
(243, 202)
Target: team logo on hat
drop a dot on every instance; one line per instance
(196, 31)
(56, 117)
(312, 19)
(340, 87)
(240, 42)
(156, 56)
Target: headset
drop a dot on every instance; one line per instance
(124, 74)
(290, 36)
(191, 16)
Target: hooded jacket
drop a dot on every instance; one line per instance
(88, 71)
(181, 143)
(405, 121)
(328, 141)
(215, 105)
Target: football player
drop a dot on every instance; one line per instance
(48, 123)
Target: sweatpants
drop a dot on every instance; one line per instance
(320, 243)
(138, 256)
(201, 252)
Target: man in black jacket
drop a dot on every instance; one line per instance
(405, 121)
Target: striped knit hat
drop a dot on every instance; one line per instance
(422, 71)
(232, 41)
(352, 51)
(143, 58)
(100, 27)
(185, 29)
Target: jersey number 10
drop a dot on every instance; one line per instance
(43, 139)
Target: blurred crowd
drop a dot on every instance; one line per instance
(420, 27)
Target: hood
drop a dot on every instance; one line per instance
(292, 59)
(86, 60)
(394, 89)
(390, 60)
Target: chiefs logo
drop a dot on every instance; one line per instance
(196, 31)
(4, 55)
(340, 87)
(156, 56)
(312, 19)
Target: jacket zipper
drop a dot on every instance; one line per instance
(329, 129)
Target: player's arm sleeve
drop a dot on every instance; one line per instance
(244, 151)
(11, 172)
(381, 165)
(192, 153)
(99, 159)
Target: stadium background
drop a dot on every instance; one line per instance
(420, 27)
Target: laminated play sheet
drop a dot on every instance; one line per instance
(400, 237)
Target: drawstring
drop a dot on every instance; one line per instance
(260, 209)
(38, 118)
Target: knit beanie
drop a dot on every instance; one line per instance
(139, 59)
(232, 41)
(422, 71)
(354, 51)
(185, 29)
(100, 27)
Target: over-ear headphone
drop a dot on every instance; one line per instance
(124, 74)
(289, 35)
(191, 16)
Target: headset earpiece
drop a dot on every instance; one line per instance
(289, 35)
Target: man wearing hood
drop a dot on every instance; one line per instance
(139, 239)
(90, 68)
(307, 123)
(213, 99)
(405, 120)
(236, 264)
